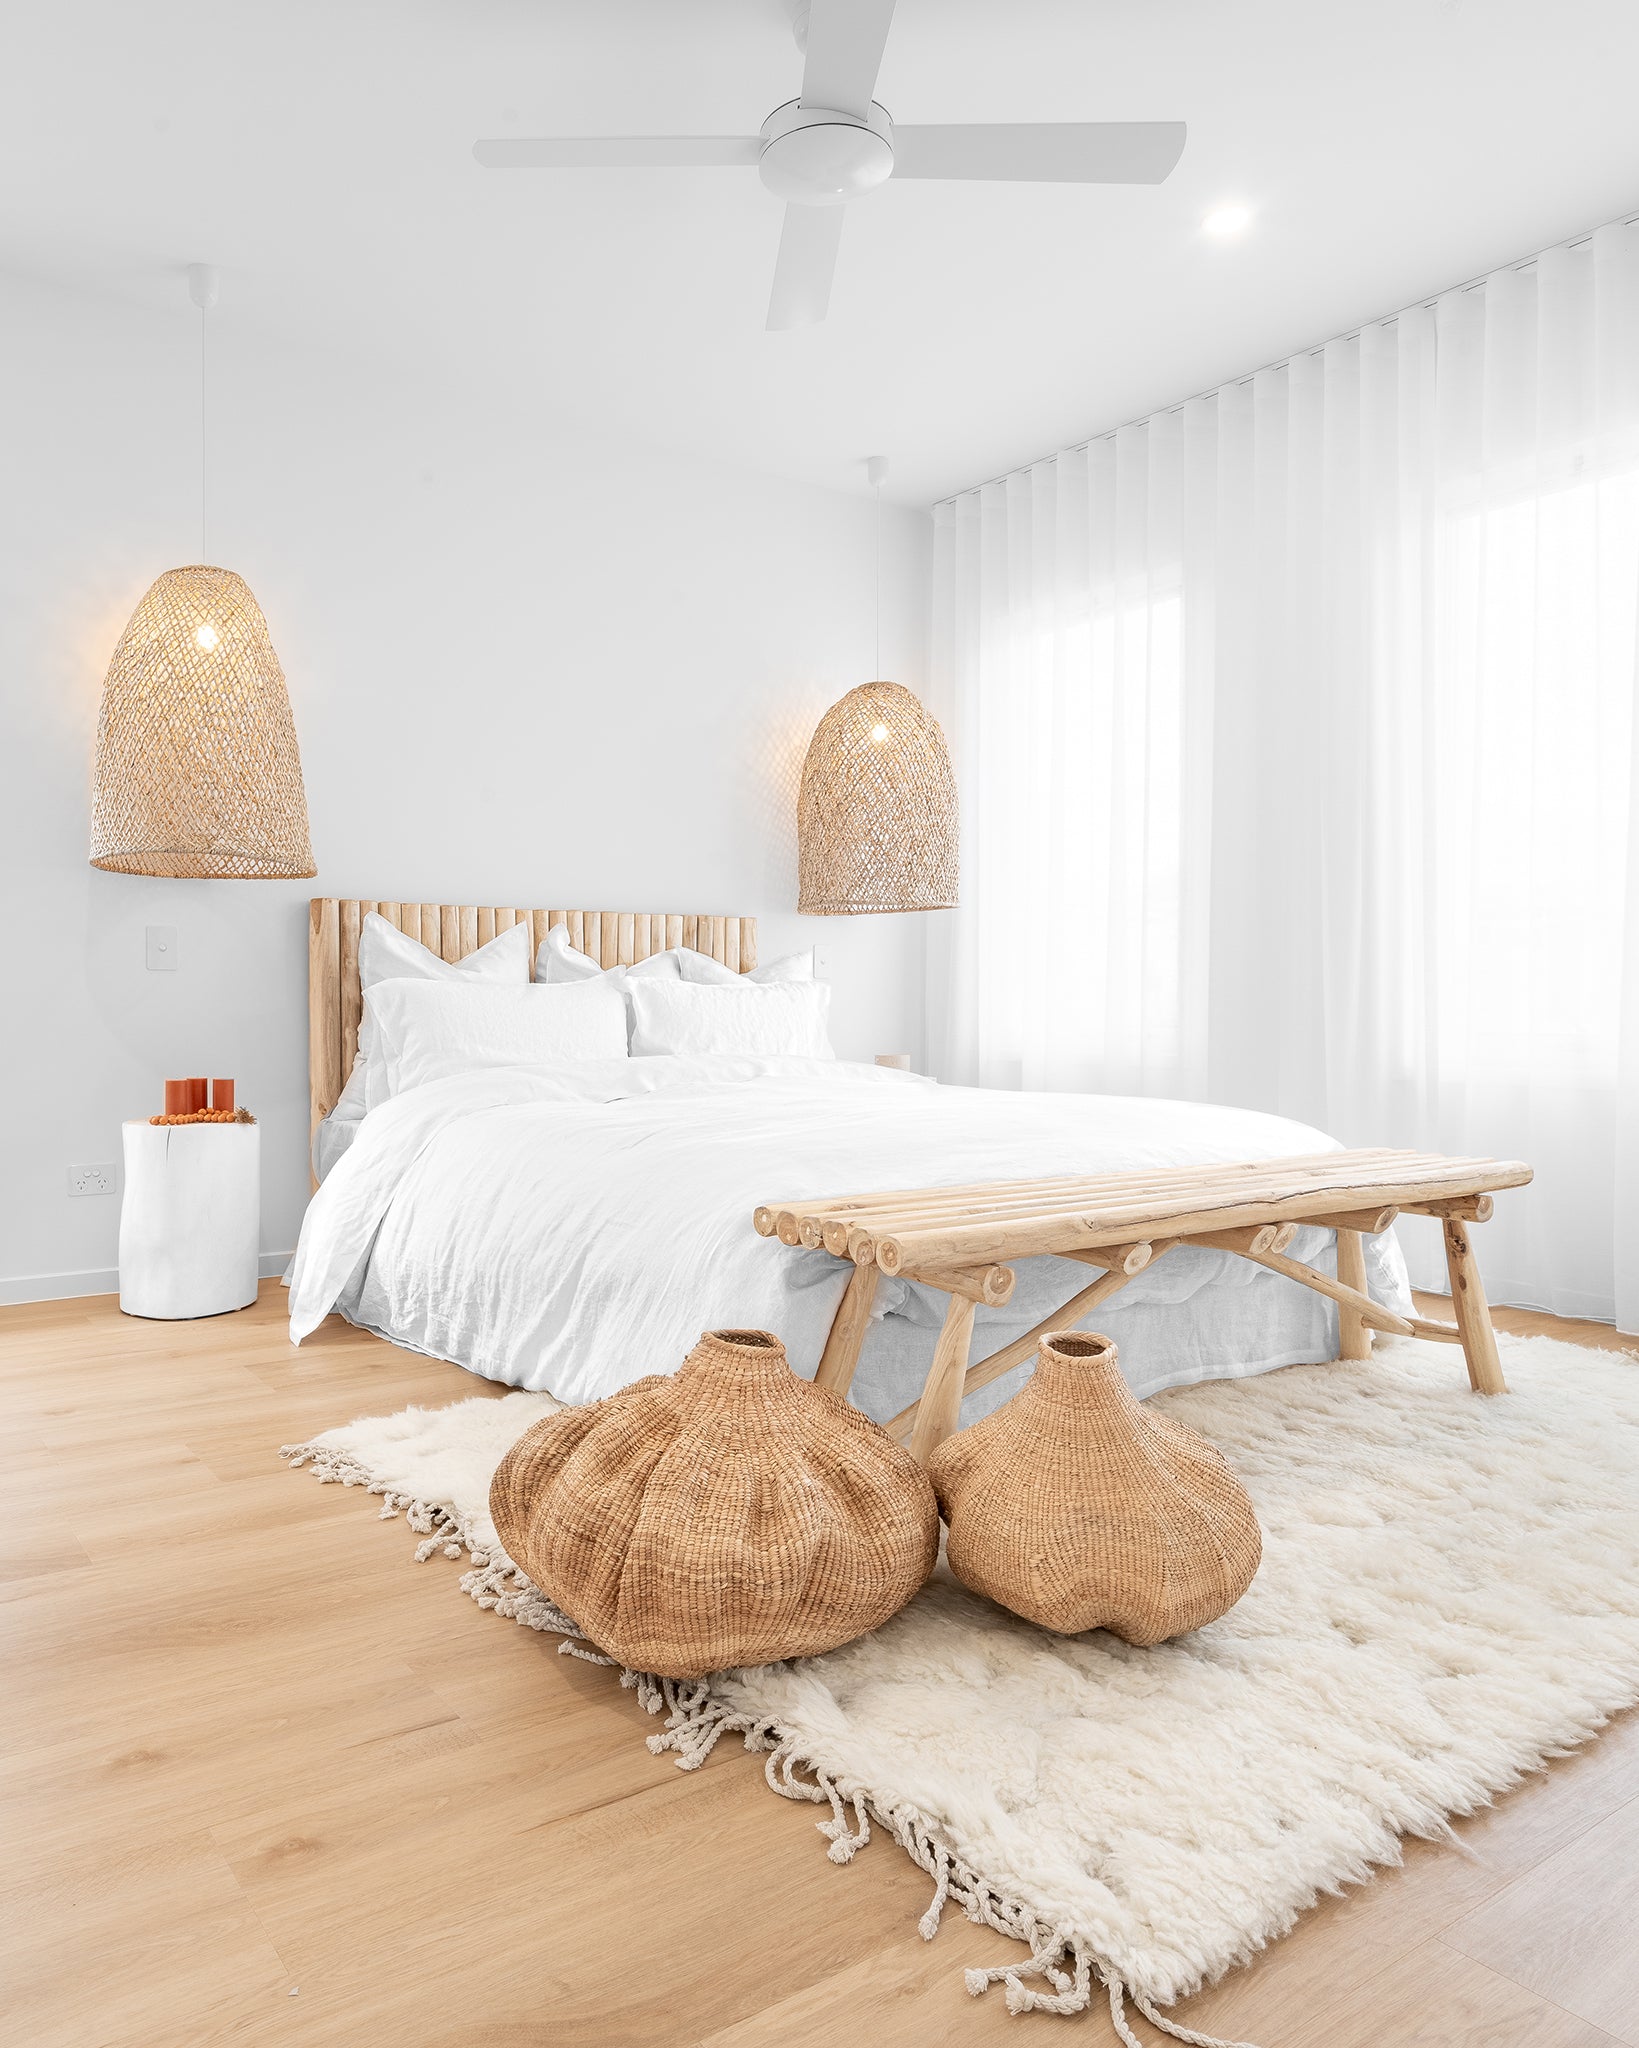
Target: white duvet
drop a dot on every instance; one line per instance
(570, 1229)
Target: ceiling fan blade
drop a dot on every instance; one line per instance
(805, 265)
(1043, 152)
(844, 54)
(567, 152)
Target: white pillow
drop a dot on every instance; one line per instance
(701, 967)
(559, 961)
(686, 1017)
(428, 1030)
(387, 954)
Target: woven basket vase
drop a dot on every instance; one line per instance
(1079, 1507)
(729, 1514)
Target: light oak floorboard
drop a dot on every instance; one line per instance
(1569, 1929)
(251, 1748)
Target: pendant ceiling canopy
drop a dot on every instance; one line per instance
(876, 816)
(198, 772)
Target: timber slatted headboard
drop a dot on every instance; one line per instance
(614, 938)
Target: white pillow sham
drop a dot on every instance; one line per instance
(559, 961)
(428, 1030)
(701, 967)
(686, 1017)
(387, 954)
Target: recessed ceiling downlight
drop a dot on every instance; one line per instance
(1227, 221)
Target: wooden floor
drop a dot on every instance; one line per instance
(267, 1780)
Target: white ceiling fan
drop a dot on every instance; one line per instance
(835, 142)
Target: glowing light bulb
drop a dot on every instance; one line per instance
(879, 733)
(1225, 222)
(206, 637)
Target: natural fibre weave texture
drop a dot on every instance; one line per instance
(876, 813)
(729, 1513)
(1449, 1596)
(198, 772)
(1078, 1507)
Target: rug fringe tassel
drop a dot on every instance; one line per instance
(1179, 2033)
(1072, 1994)
(696, 1721)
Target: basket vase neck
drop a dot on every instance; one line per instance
(1074, 1384)
(739, 1375)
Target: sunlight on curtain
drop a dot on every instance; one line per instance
(1295, 736)
(1078, 958)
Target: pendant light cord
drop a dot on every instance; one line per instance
(204, 467)
(876, 566)
(202, 290)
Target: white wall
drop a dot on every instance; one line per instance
(529, 663)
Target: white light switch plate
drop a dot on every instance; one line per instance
(91, 1180)
(822, 963)
(161, 948)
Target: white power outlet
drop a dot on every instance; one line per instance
(91, 1180)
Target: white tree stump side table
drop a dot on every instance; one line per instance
(190, 1219)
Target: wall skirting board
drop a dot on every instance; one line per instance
(100, 1280)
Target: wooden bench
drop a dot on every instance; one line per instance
(965, 1240)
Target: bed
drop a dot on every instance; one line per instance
(570, 1229)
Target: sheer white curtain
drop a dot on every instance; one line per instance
(1295, 736)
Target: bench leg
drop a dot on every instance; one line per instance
(848, 1327)
(1473, 1312)
(941, 1402)
(1353, 1338)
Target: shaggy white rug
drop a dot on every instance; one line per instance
(1449, 1596)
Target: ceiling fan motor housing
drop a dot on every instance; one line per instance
(816, 156)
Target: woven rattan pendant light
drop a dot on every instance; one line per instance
(198, 772)
(876, 813)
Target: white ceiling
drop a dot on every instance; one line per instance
(318, 150)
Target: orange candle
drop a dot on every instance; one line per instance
(222, 1095)
(196, 1091)
(176, 1098)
